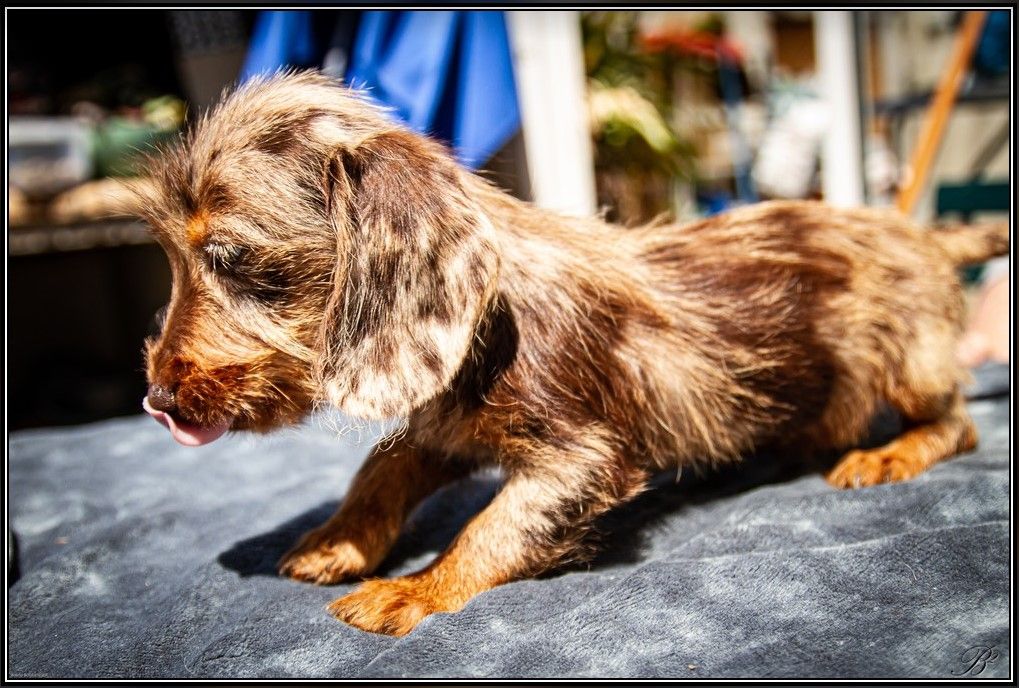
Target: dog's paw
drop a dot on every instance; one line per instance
(392, 607)
(867, 467)
(323, 557)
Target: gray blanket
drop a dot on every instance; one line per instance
(140, 558)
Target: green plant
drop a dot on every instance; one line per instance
(638, 154)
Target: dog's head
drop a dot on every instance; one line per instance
(319, 252)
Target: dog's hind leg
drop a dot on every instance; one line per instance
(910, 454)
(358, 536)
(937, 424)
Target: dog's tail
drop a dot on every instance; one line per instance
(969, 244)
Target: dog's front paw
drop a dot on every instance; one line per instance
(324, 557)
(393, 606)
(867, 467)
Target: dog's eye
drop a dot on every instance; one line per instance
(244, 274)
(223, 257)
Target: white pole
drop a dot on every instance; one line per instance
(841, 158)
(551, 86)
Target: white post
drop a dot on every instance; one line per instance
(551, 86)
(841, 157)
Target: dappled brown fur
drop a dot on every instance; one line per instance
(323, 254)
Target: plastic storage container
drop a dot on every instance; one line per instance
(47, 155)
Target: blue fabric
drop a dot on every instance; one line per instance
(446, 74)
(487, 114)
(280, 39)
(144, 559)
(403, 59)
(992, 57)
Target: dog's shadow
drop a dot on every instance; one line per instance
(430, 529)
(622, 536)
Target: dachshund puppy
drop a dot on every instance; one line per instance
(323, 254)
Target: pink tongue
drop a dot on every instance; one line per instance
(187, 434)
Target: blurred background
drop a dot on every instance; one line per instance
(638, 115)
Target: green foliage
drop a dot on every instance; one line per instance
(630, 98)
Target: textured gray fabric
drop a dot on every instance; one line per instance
(142, 558)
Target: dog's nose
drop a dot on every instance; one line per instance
(162, 399)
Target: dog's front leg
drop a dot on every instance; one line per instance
(358, 536)
(535, 522)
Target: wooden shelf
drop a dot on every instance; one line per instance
(31, 241)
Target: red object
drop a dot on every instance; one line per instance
(695, 43)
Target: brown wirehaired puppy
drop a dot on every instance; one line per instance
(322, 253)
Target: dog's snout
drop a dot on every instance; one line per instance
(162, 398)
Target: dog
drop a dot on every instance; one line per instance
(323, 254)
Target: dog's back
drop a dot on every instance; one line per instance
(782, 323)
(794, 321)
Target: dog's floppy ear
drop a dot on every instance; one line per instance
(416, 269)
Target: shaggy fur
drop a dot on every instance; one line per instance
(321, 253)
